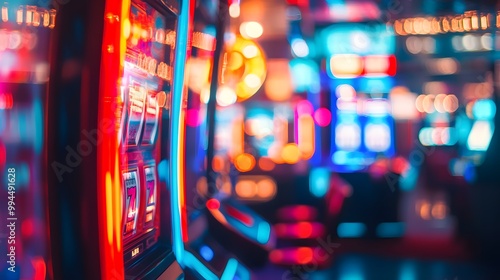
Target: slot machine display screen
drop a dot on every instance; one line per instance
(145, 89)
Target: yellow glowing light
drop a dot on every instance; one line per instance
(244, 67)
(251, 29)
(244, 162)
(250, 51)
(235, 61)
(290, 153)
(126, 28)
(109, 207)
(306, 136)
(234, 10)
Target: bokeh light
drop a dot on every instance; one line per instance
(290, 153)
(251, 29)
(322, 117)
(244, 162)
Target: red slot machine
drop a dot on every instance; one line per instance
(109, 135)
(26, 29)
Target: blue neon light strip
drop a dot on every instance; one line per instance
(230, 270)
(192, 262)
(177, 123)
(234, 270)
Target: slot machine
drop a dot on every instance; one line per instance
(209, 226)
(110, 134)
(357, 65)
(26, 32)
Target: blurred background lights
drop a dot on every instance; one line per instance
(300, 48)
(304, 75)
(252, 81)
(484, 109)
(244, 162)
(279, 84)
(250, 51)
(226, 96)
(322, 117)
(266, 164)
(345, 92)
(290, 153)
(319, 181)
(251, 29)
(234, 10)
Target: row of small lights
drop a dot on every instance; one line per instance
(32, 16)
(442, 103)
(466, 43)
(469, 21)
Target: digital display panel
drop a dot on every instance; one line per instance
(132, 187)
(151, 122)
(150, 198)
(135, 111)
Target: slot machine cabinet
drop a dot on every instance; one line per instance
(111, 139)
(26, 32)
